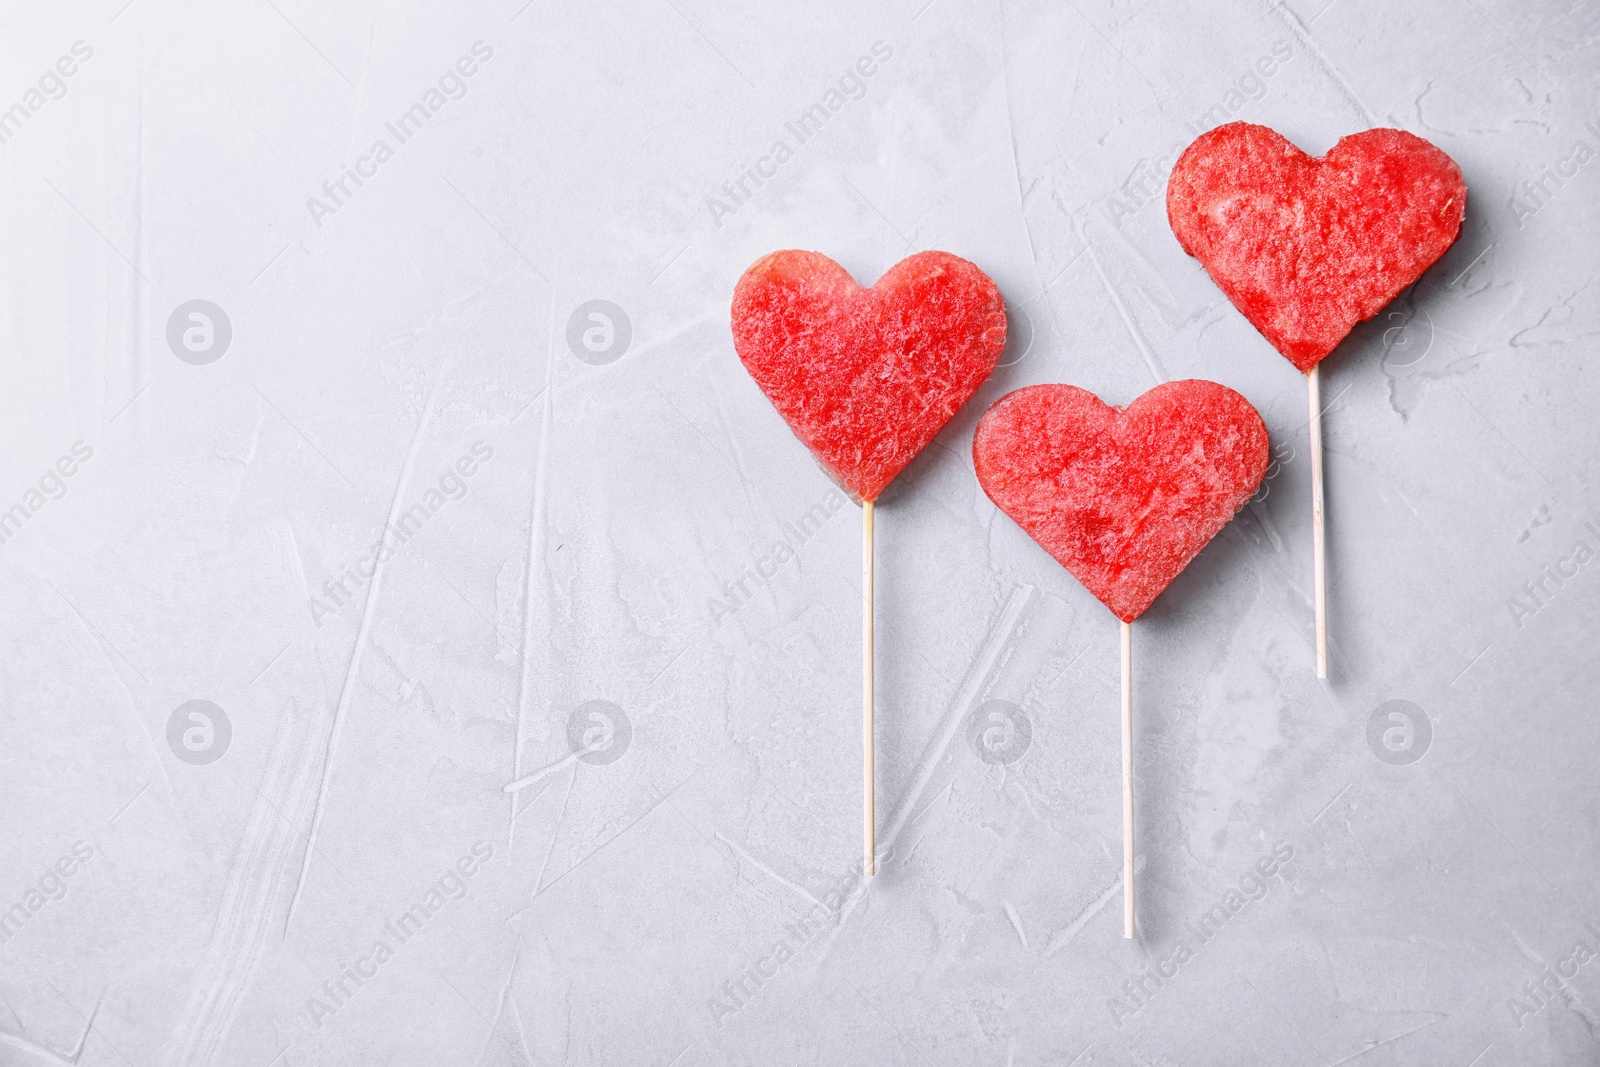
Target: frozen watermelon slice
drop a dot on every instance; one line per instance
(867, 377)
(1123, 498)
(1306, 248)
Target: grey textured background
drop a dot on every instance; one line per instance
(415, 327)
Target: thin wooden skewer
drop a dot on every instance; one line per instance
(869, 820)
(1319, 563)
(1127, 780)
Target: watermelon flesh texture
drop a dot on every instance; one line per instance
(866, 377)
(1122, 498)
(1307, 248)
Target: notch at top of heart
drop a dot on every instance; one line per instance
(866, 377)
(1308, 247)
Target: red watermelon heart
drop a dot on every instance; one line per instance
(1306, 248)
(1123, 498)
(867, 377)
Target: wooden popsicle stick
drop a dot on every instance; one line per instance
(1318, 560)
(1127, 779)
(869, 819)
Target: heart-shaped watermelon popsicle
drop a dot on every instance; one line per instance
(866, 378)
(1123, 498)
(1306, 248)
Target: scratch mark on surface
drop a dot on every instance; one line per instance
(1379, 1044)
(668, 667)
(257, 890)
(709, 444)
(270, 662)
(1287, 1021)
(522, 1033)
(712, 45)
(1010, 615)
(949, 787)
(1501, 435)
(129, 804)
(906, 241)
(1573, 999)
(1122, 309)
(1412, 508)
(528, 804)
(642, 816)
(311, 44)
(1261, 517)
(540, 775)
(1433, 771)
(501, 1004)
(76, 1051)
(798, 890)
(129, 404)
(1469, 266)
(555, 832)
(934, 755)
(303, 436)
(531, 577)
(1016, 167)
(1292, 22)
(1323, 810)
(1329, 406)
(1063, 937)
(1016, 923)
(98, 232)
(861, 998)
(1540, 70)
(1111, 45)
(132, 704)
(1468, 667)
(95, 631)
(352, 673)
(670, 262)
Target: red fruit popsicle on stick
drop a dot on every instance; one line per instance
(1123, 498)
(866, 378)
(1306, 248)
